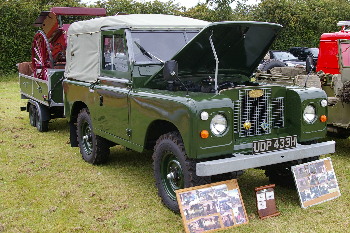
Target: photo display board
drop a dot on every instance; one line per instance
(211, 207)
(265, 201)
(316, 182)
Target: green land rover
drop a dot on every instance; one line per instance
(182, 87)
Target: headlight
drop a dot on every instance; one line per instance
(218, 125)
(309, 114)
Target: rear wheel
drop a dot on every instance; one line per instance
(281, 174)
(173, 170)
(32, 115)
(41, 125)
(93, 148)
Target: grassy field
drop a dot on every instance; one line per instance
(45, 186)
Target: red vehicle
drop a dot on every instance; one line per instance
(41, 78)
(334, 61)
(49, 44)
(328, 59)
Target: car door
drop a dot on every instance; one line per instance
(114, 84)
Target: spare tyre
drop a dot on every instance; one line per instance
(269, 64)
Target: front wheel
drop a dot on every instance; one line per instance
(173, 170)
(93, 148)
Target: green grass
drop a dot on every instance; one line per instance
(45, 186)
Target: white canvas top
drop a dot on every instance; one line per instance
(136, 21)
(84, 39)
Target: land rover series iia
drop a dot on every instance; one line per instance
(182, 87)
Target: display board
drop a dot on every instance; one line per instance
(316, 182)
(265, 201)
(211, 207)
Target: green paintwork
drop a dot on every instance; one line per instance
(129, 108)
(297, 100)
(339, 113)
(38, 89)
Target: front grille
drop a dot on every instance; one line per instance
(259, 115)
(277, 112)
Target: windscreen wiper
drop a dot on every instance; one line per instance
(147, 54)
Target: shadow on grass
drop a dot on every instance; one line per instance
(59, 124)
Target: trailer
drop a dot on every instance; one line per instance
(41, 78)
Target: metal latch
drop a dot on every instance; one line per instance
(129, 132)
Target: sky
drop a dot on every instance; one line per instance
(186, 3)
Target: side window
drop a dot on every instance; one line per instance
(114, 55)
(345, 52)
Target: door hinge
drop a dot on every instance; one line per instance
(128, 132)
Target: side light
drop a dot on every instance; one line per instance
(323, 118)
(204, 116)
(204, 134)
(324, 103)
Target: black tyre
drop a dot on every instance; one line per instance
(42, 126)
(310, 64)
(94, 149)
(269, 64)
(173, 170)
(32, 115)
(281, 174)
(340, 133)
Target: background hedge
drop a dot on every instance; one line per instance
(303, 20)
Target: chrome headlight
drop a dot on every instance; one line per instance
(309, 114)
(218, 125)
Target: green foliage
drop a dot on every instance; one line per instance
(134, 7)
(303, 20)
(16, 27)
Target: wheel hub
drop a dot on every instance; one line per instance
(172, 174)
(87, 138)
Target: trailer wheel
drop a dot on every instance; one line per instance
(173, 170)
(32, 115)
(94, 149)
(41, 125)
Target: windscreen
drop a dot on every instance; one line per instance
(284, 56)
(150, 45)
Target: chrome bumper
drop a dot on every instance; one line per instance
(241, 162)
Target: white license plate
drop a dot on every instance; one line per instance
(274, 144)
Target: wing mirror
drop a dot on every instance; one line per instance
(170, 70)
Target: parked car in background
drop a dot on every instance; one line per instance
(303, 52)
(277, 58)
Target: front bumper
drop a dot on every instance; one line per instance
(241, 161)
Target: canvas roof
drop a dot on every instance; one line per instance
(84, 39)
(137, 21)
